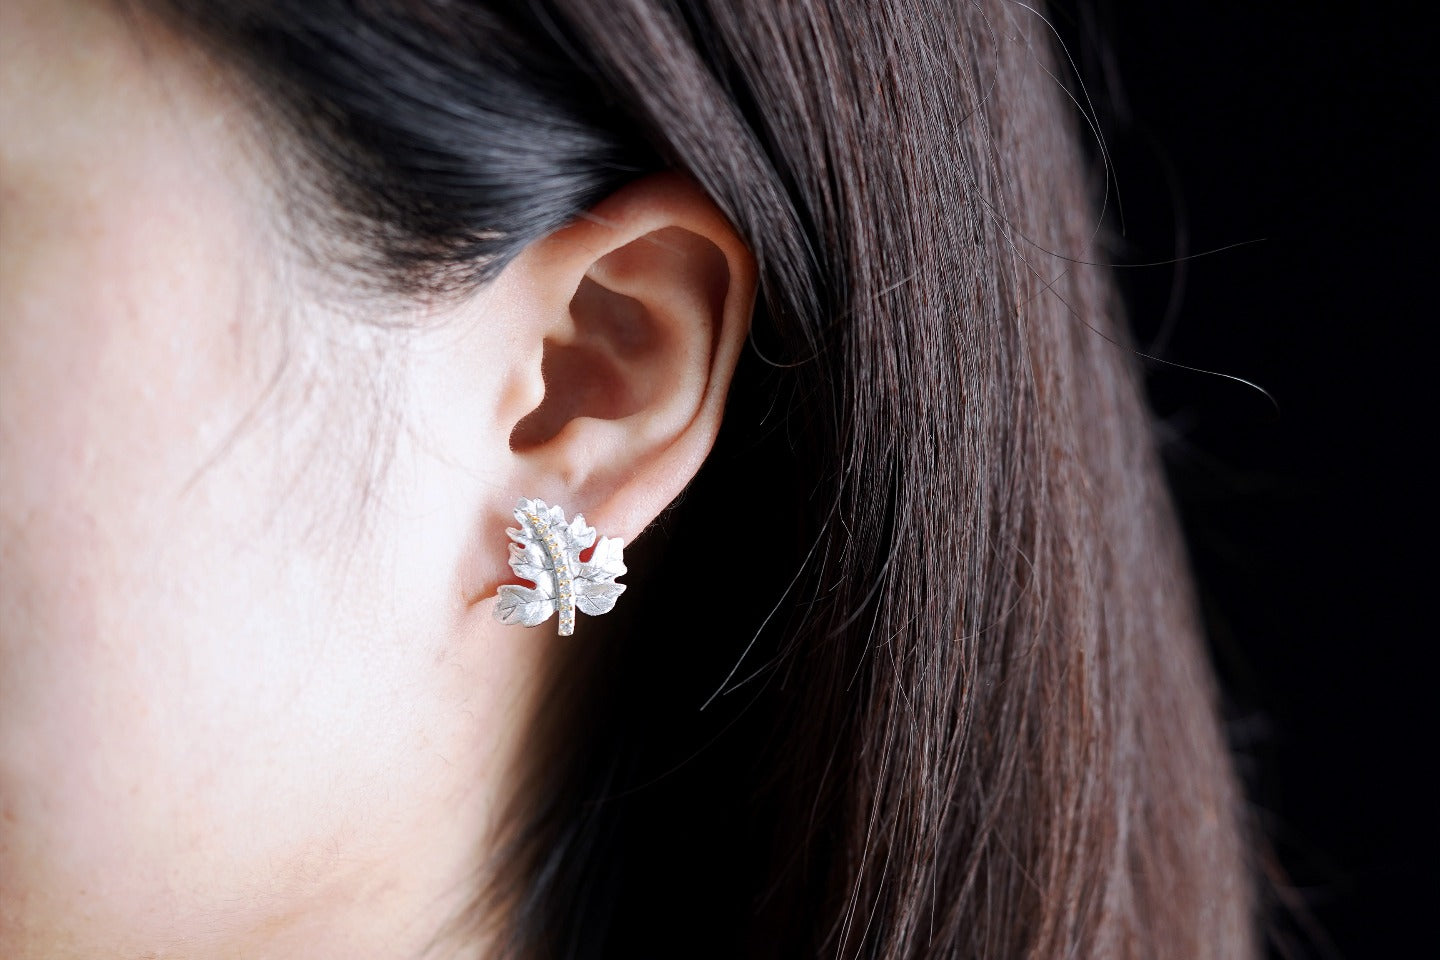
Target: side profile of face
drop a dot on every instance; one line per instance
(253, 700)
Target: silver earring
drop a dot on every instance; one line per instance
(546, 552)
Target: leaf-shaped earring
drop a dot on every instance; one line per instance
(546, 552)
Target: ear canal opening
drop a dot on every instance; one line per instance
(596, 374)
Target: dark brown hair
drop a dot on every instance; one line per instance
(913, 670)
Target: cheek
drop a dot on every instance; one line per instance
(192, 719)
(131, 602)
(206, 715)
(198, 711)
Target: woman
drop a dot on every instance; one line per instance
(300, 298)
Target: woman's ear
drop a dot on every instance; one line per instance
(640, 311)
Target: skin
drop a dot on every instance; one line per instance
(253, 701)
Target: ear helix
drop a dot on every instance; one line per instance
(546, 551)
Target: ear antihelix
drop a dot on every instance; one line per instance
(546, 551)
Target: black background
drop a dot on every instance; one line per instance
(1304, 128)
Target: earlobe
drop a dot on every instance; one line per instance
(657, 291)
